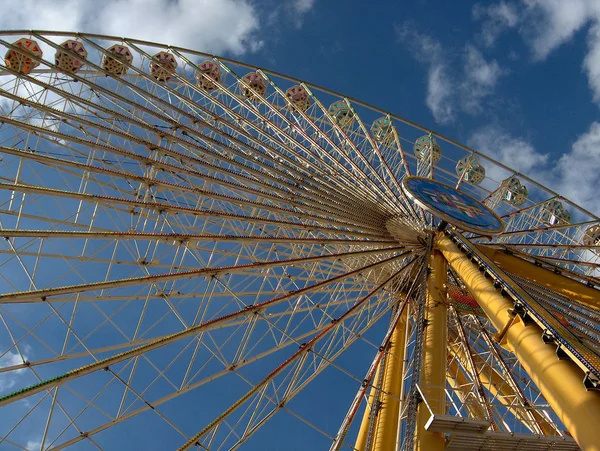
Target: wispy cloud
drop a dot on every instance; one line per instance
(480, 79)
(33, 445)
(290, 11)
(440, 95)
(447, 95)
(303, 6)
(300, 9)
(428, 51)
(495, 18)
(591, 62)
(9, 379)
(546, 25)
(515, 152)
(216, 26)
(577, 171)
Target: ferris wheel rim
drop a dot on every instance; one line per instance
(357, 101)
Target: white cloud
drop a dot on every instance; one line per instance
(290, 11)
(440, 94)
(546, 25)
(428, 51)
(577, 171)
(591, 63)
(447, 94)
(33, 445)
(495, 19)
(299, 8)
(574, 175)
(9, 379)
(215, 26)
(480, 79)
(513, 151)
(303, 6)
(481, 72)
(549, 23)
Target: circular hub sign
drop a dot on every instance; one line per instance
(452, 206)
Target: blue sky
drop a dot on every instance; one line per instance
(519, 80)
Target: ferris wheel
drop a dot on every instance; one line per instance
(201, 254)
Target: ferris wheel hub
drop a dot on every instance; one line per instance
(399, 228)
(452, 206)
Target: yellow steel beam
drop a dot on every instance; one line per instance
(560, 381)
(433, 369)
(563, 285)
(386, 430)
(363, 432)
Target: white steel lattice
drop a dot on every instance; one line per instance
(190, 255)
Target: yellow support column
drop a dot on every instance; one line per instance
(386, 426)
(560, 381)
(386, 430)
(433, 368)
(363, 432)
(566, 286)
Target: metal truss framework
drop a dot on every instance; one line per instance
(197, 253)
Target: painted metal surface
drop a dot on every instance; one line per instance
(452, 206)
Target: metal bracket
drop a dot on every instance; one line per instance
(500, 337)
(561, 354)
(548, 337)
(591, 382)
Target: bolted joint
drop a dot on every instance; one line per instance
(378, 405)
(418, 397)
(519, 309)
(561, 353)
(548, 337)
(591, 382)
(500, 337)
